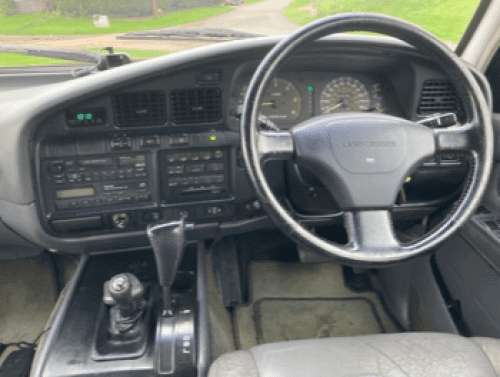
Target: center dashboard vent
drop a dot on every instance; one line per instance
(201, 105)
(438, 96)
(140, 109)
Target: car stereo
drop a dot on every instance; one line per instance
(97, 181)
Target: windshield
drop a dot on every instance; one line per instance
(149, 28)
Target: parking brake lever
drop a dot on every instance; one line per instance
(167, 240)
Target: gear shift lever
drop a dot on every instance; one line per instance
(167, 240)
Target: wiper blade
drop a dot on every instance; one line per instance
(101, 61)
(203, 34)
(55, 52)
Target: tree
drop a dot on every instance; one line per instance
(7, 7)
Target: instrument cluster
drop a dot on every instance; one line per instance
(291, 98)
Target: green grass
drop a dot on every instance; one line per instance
(136, 54)
(15, 60)
(252, 1)
(50, 23)
(447, 19)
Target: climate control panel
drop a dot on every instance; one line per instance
(195, 174)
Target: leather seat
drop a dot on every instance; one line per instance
(388, 355)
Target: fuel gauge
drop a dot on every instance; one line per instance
(377, 100)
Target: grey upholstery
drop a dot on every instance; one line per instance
(388, 355)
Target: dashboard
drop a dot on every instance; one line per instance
(93, 161)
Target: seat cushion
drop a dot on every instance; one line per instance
(387, 355)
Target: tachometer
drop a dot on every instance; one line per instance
(281, 100)
(344, 94)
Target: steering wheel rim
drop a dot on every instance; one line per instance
(371, 237)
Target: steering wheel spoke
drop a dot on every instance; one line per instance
(275, 145)
(370, 231)
(461, 138)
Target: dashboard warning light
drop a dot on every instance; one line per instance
(213, 137)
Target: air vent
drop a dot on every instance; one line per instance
(140, 109)
(438, 96)
(196, 105)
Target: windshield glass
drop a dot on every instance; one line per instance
(150, 28)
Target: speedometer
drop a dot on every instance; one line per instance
(344, 94)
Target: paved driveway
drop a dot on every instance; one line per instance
(264, 18)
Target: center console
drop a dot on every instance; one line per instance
(111, 321)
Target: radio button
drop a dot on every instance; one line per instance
(60, 181)
(215, 166)
(218, 178)
(196, 156)
(74, 204)
(218, 154)
(87, 177)
(74, 178)
(175, 169)
(142, 197)
(206, 179)
(195, 168)
(57, 168)
(186, 181)
(172, 157)
(121, 174)
(174, 182)
(184, 157)
(120, 143)
(178, 139)
(85, 203)
(150, 141)
(207, 155)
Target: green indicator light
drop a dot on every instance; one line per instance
(213, 137)
(79, 116)
(310, 88)
(88, 116)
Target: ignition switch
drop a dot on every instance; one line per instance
(120, 220)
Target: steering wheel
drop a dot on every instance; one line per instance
(363, 158)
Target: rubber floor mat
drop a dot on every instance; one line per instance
(281, 319)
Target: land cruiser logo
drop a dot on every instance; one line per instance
(369, 144)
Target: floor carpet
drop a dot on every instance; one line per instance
(302, 301)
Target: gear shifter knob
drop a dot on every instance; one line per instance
(167, 240)
(124, 291)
